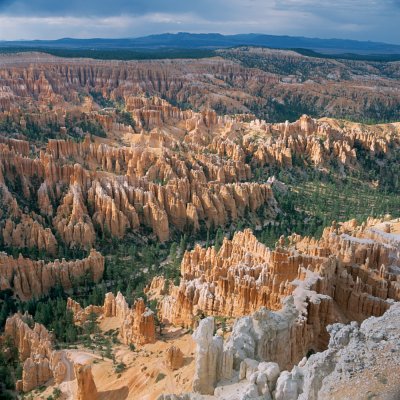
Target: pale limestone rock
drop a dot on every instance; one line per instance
(212, 361)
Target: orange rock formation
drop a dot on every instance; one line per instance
(86, 387)
(40, 361)
(137, 323)
(29, 278)
(174, 358)
(353, 266)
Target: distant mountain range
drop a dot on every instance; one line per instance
(212, 41)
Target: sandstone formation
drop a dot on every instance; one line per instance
(29, 233)
(174, 358)
(154, 187)
(342, 371)
(350, 273)
(86, 387)
(137, 324)
(72, 220)
(29, 278)
(39, 361)
(280, 77)
(174, 170)
(171, 171)
(359, 361)
(81, 315)
(356, 266)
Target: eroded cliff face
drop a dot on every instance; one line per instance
(353, 265)
(231, 82)
(40, 361)
(351, 273)
(28, 278)
(86, 387)
(175, 170)
(136, 324)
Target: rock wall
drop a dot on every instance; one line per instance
(40, 361)
(27, 278)
(350, 273)
(137, 324)
(86, 387)
(355, 265)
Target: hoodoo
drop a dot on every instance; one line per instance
(178, 229)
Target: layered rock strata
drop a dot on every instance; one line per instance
(137, 324)
(350, 273)
(86, 387)
(39, 361)
(28, 278)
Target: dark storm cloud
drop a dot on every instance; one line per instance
(358, 19)
(108, 8)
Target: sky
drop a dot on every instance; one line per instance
(375, 20)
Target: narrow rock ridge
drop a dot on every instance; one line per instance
(28, 278)
(40, 361)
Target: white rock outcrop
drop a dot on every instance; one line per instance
(360, 362)
(213, 362)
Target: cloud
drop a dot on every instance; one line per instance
(359, 19)
(107, 8)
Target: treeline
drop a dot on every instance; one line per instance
(117, 54)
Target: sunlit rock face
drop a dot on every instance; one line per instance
(40, 361)
(137, 324)
(28, 278)
(350, 273)
(86, 386)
